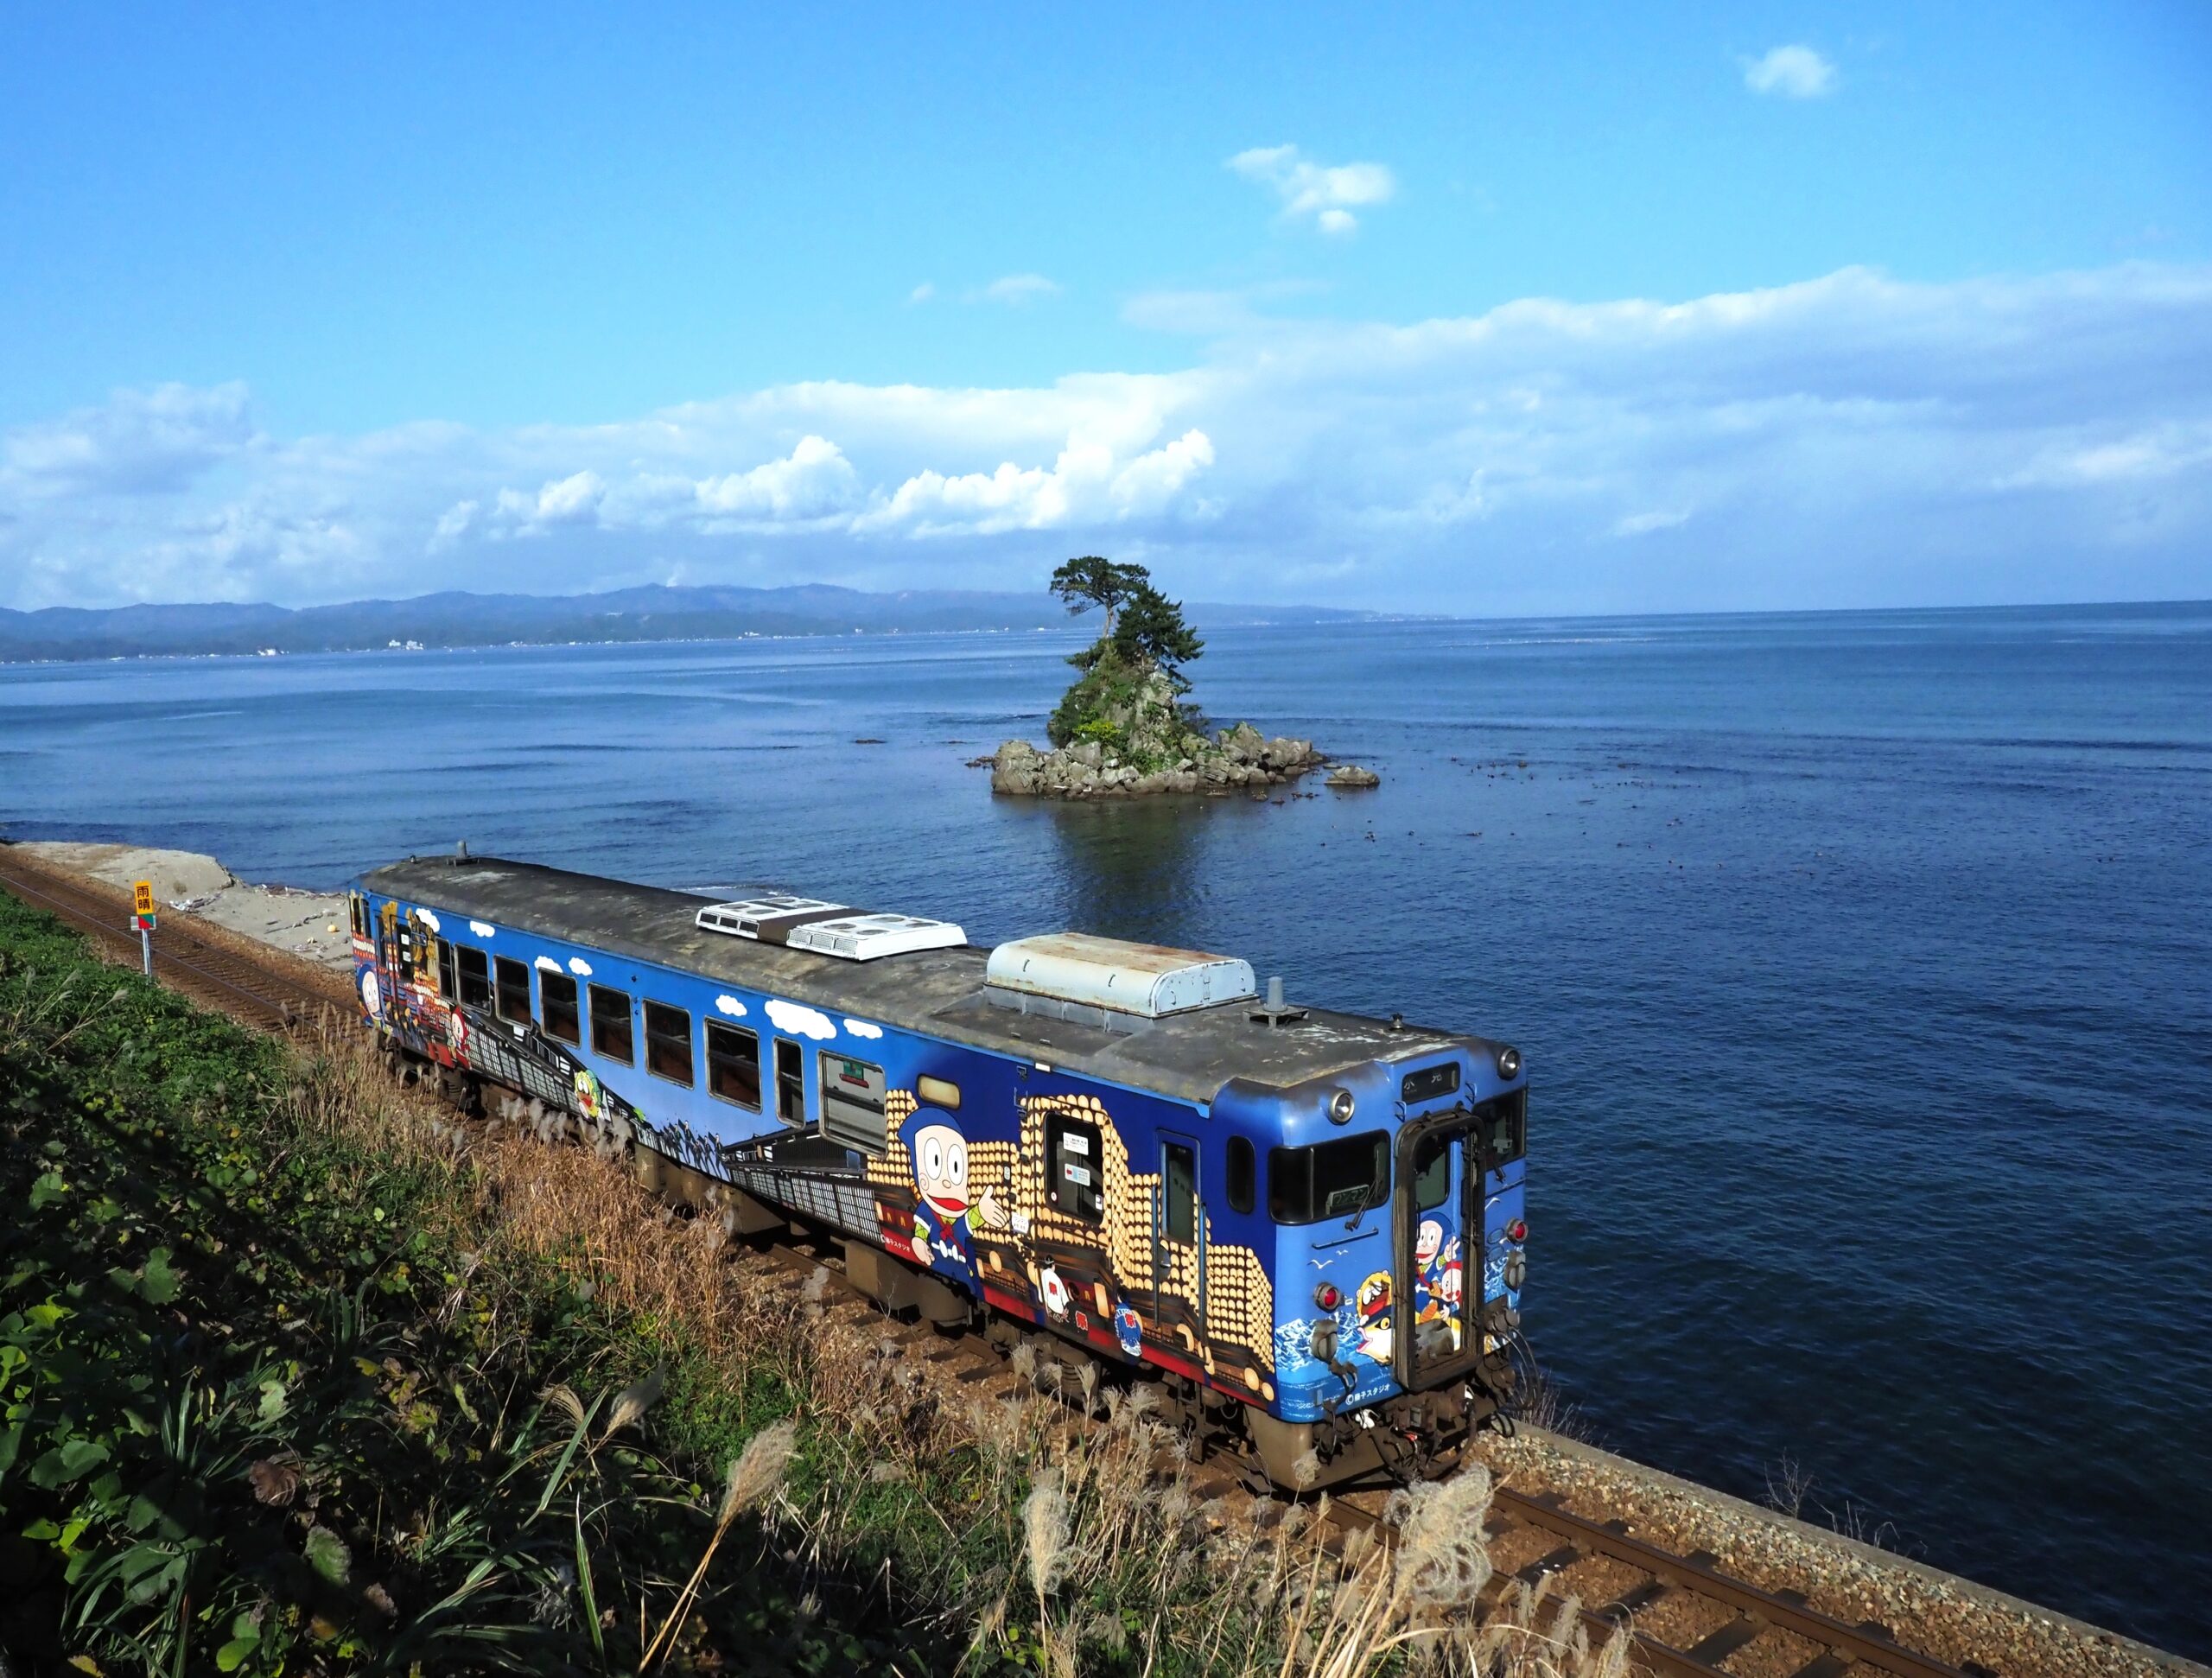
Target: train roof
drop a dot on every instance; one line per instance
(1188, 1055)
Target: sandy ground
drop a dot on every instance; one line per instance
(311, 924)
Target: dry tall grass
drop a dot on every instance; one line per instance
(1003, 1498)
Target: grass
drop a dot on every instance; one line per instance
(302, 1375)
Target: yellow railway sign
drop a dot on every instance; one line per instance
(142, 897)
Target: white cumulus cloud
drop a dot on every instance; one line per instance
(137, 442)
(813, 480)
(1850, 439)
(1088, 482)
(1325, 192)
(1795, 72)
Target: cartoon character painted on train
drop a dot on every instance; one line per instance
(945, 1220)
(1376, 1317)
(1437, 1283)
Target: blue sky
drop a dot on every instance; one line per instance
(1470, 309)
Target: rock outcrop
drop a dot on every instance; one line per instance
(1353, 774)
(1239, 759)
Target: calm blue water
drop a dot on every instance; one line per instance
(1863, 964)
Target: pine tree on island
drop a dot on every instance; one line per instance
(1123, 727)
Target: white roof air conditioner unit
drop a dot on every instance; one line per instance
(1146, 980)
(826, 928)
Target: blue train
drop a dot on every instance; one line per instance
(1308, 1225)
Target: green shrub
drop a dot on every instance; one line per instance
(261, 1408)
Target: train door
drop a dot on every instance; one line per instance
(388, 946)
(1179, 1253)
(1439, 1226)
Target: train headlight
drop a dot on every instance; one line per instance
(1340, 1106)
(1508, 1063)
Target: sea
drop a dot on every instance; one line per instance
(1862, 964)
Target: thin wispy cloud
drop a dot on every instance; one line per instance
(1015, 289)
(922, 293)
(1850, 440)
(1323, 195)
(1795, 72)
(1643, 523)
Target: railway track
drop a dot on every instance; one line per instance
(1750, 1630)
(254, 993)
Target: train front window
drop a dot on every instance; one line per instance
(1431, 1173)
(1338, 1178)
(475, 976)
(1502, 1128)
(513, 981)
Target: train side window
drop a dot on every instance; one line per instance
(475, 976)
(448, 975)
(734, 1065)
(360, 915)
(610, 1024)
(1431, 1173)
(1075, 1172)
(513, 990)
(556, 1000)
(790, 1083)
(1178, 1192)
(1244, 1174)
(1338, 1178)
(668, 1043)
(852, 1102)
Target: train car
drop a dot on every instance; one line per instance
(1309, 1225)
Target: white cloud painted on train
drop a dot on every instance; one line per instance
(2001, 438)
(579, 967)
(799, 1020)
(730, 1006)
(862, 1028)
(547, 964)
(428, 918)
(483, 929)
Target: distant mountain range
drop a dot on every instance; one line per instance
(650, 613)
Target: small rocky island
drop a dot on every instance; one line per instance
(1125, 729)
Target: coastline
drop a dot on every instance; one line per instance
(1941, 1613)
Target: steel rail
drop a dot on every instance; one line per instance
(212, 966)
(1758, 1608)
